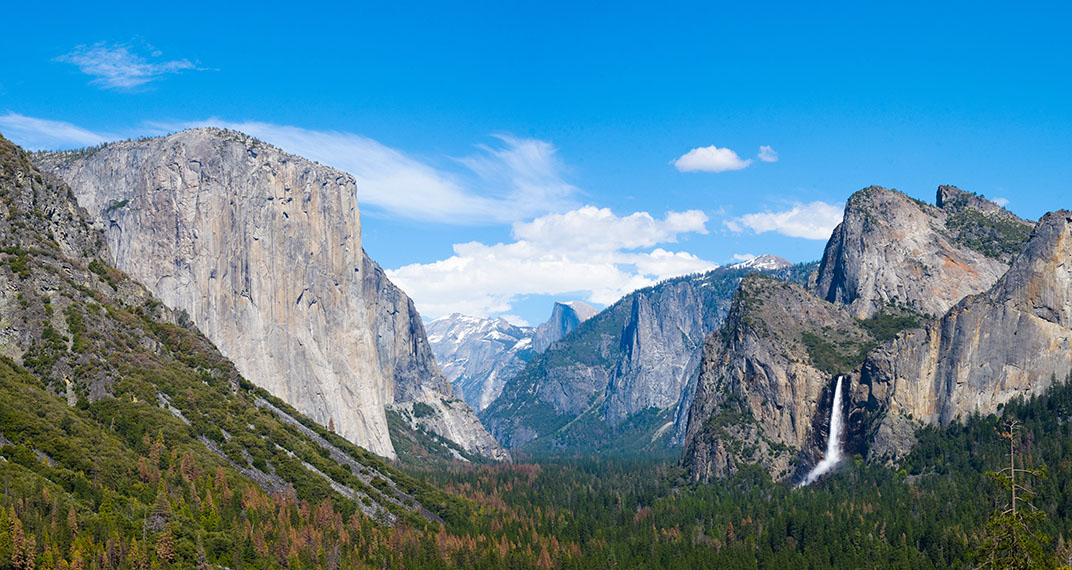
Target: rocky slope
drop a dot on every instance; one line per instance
(765, 386)
(479, 355)
(1009, 341)
(97, 376)
(622, 381)
(765, 389)
(262, 250)
(892, 252)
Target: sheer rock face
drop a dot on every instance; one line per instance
(660, 347)
(637, 354)
(263, 250)
(1009, 341)
(762, 391)
(630, 371)
(564, 318)
(759, 397)
(893, 251)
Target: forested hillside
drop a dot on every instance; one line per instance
(127, 440)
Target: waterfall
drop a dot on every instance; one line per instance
(833, 441)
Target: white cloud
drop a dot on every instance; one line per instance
(740, 257)
(810, 221)
(710, 159)
(1001, 201)
(510, 180)
(588, 252)
(768, 154)
(598, 229)
(116, 66)
(37, 134)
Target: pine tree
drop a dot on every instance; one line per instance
(18, 544)
(1011, 538)
(165, 546)
(6, 546)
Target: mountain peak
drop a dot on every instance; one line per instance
(564, 318)
(765, 262)
(892, 251)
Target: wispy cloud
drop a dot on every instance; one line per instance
(37, 134)
(710, 159)
(809, 221)
(507, 180)
(767, 154)
(118, 66)
(588, 252)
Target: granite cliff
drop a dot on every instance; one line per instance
(764, 389)
(565, 317)
(262, 250)
(624, 379)
(892, 252)
(95, 372)
(998, 331)
(1009, 341)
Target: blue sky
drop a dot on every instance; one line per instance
(510, 155)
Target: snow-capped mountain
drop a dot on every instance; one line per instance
(479, 355)
(765, 262)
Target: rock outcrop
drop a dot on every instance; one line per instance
(263, 250)
(764, 390)
(1009, 341)
(101, 359)
(1001, 331)
(624, 379)
(565, 317)
(892, 252)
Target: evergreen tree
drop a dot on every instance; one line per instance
(1011, 538)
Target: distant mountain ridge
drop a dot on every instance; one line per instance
(765, 262)
(623, 380)
(478, 355)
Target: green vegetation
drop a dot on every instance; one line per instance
(840, 356)
(115, 205)
(645, 432)
(417, 445)
(931, 512)
(1000, 237)
(422, 410)
(884, 326)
